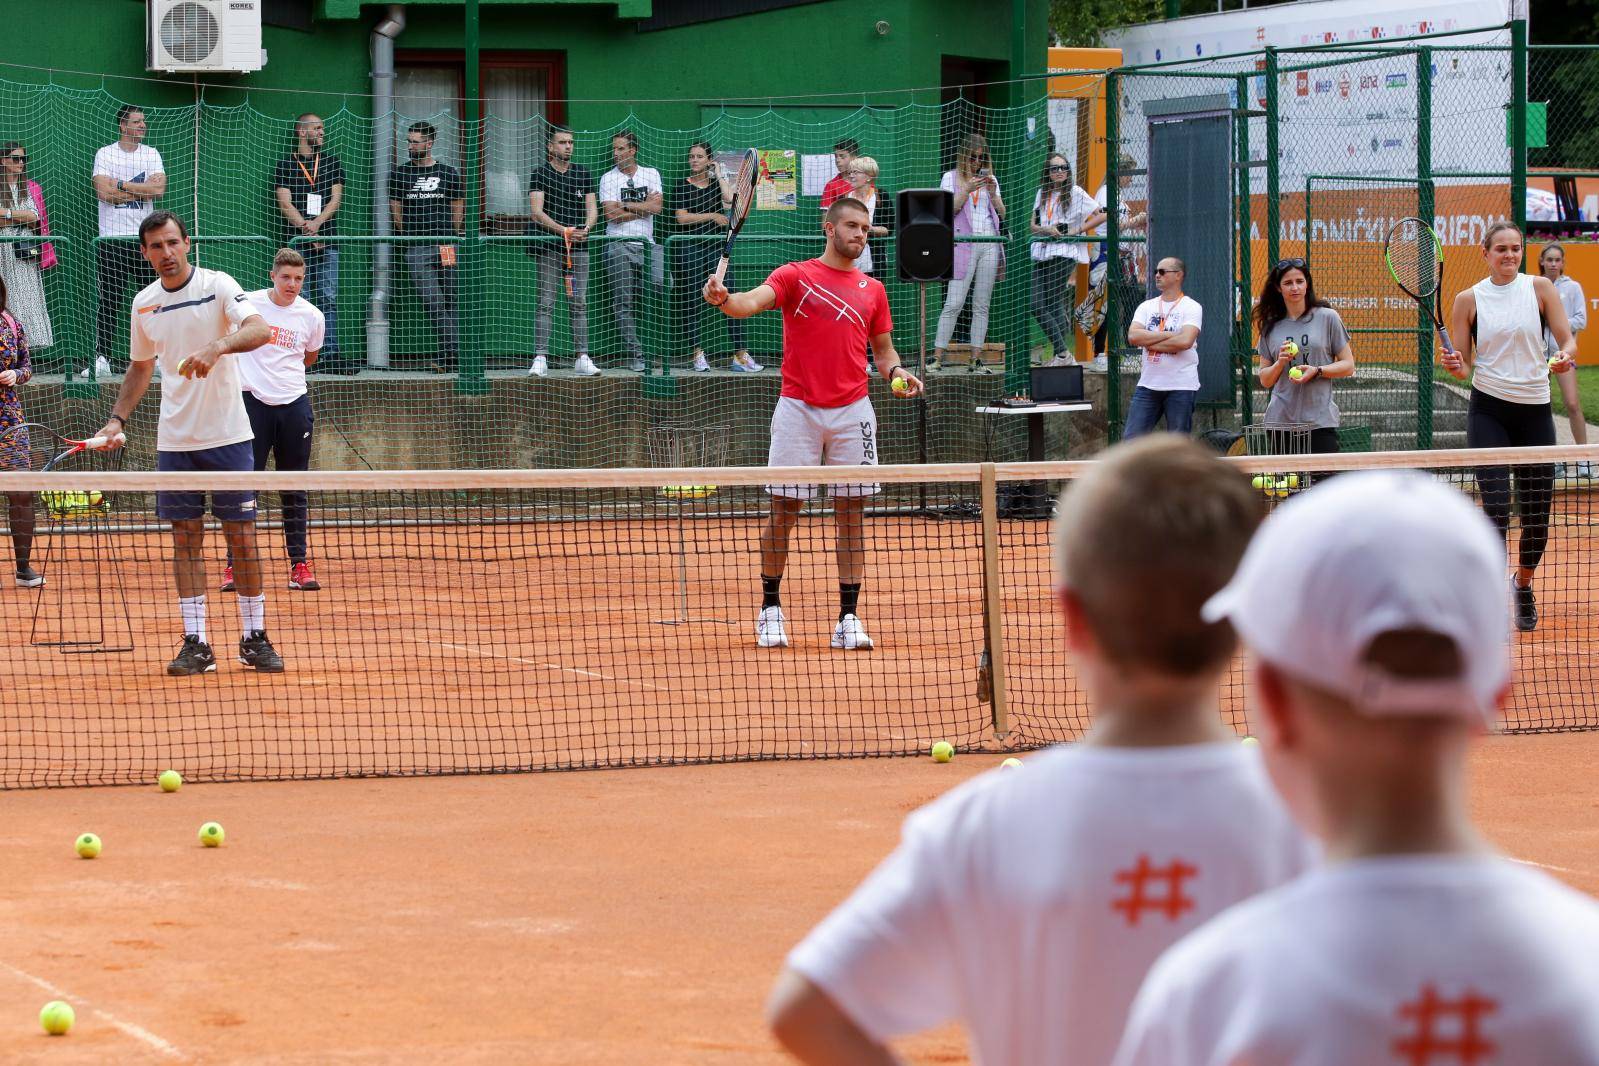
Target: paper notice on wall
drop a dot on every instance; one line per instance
(777, 187)
(815, 172)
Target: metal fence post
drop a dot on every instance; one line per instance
(1113, 358)
(1425, 208)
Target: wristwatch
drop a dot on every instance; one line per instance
(123, 422)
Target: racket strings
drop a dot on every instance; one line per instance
(1413, 257)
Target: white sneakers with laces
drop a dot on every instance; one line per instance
(850, 635)
(769, 629)
(584, 367)
(540, 367)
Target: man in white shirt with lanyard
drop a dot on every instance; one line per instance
(128, 178)
(278, 402)
(631, 196)
(1028, 904)
(192, 320)
(1167, 329)
(1378, 658)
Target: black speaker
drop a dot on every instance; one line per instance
(924, 235)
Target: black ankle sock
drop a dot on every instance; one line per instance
(769, 591)
(848, 597)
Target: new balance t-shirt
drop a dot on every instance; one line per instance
(139, 165)
(275, 372)
(425, 195)
(1441, 960)
(828, 317)
(1029, 905)
(169, 326)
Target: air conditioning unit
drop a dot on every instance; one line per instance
(203, 36)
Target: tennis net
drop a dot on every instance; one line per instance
(478, 622)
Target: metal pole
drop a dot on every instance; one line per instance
(1273, 177)
(470, 379)
(921, 401)
(1113, 266)
(1245, 350)
(1425, 206)
(1518, 122)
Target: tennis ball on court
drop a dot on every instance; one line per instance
(943, 751)
(211, 835)
(900, 385)
(1250, 742)
(1012, 763)
(1290, 347)
(57, 1017)
(170, 780)
(88, 846)
(1297, 373)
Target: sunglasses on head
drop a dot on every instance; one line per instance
(1292, 264)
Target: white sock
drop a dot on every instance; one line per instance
(192, 608)
(252, 613)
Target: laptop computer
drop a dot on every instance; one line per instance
(1056, 384)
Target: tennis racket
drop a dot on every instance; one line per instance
(566, 235)
(739, 209)
(1415, 258)
(64, 448)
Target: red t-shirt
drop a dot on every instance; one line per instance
(835, 189)
(828, 317)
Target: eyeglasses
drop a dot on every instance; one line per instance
(1292, 264)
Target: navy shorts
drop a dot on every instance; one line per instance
(227, 506)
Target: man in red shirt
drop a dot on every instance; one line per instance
(823, 417)
(838, 187)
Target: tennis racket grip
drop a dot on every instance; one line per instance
(1443, 334)
(721, 268)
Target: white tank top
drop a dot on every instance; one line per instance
(1510, 362)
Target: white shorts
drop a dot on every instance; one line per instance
(803, 435)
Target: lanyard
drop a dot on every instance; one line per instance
(316, 168)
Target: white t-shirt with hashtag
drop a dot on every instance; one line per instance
(1432, 960)
(1028, 904)
(275, 372)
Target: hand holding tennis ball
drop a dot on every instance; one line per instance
(943, 751)
(88, 846)
(1289, 350)
(904, 383)
(1297, 373)
(1559, 364)
(900, 385)
(57, 1017)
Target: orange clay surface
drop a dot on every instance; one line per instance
(632, 916)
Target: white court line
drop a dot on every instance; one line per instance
(1547, 866)
(142, 1035)
(548, 666)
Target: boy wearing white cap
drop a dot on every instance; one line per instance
(1375, 666)
(1029, 904)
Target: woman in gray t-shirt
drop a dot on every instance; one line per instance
(1303, 346)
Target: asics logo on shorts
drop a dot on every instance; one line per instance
(868, 444)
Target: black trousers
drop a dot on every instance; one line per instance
(122, 271)
(1495, 423)
(283, 432)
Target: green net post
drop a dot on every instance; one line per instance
(1425, 209)
(471, 380)
(1518, 122)
(1113, 360)
(1242, 348)
(1273, 192)
(1015, 170)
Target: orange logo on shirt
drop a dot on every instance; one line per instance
(1446, 1029)
(1143, 878)
(283, 338)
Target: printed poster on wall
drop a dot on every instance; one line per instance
(777, 188)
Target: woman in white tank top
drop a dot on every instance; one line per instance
(1501, 321)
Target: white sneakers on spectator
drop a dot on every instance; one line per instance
(1101, 364)
(102, 368)
(701, 364)
(745, 363)
(540, 367)
(584, 367)
(850, 635)
(769, 629)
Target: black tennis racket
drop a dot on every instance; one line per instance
(1415, 258)
(739, 209)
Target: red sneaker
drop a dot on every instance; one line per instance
(302, 579)
(227, 579)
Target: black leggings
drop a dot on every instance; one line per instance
(19, 506)
(1495, 423)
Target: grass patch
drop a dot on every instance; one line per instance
(1587, 393)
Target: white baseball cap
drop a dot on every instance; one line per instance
(1363, 554)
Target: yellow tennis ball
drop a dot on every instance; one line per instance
(943, 751)
(1297, 373)
(181, 364)
(170, 780)
(1260, 481)
(211, 835)
(1250, 742)
(900, 385)
(1290, 347)
(1293, 481)
(1012, 763)
(57, 1017)
(88, 846)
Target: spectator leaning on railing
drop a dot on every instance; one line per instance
(631, 196)
(129, 178)
(561, 201)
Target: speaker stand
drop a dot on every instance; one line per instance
(921, 401)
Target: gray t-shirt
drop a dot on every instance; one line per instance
(1321, 336)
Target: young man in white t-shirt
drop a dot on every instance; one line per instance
(631, 196)
(278, 402)
(191, 319)
(1028, 904)
(1378, 658)
(128, 178)
(1167, 329)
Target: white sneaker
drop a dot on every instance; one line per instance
(745, 363)
(540, 367)
(769, 629)
(850, 635)
(102, 368)
(1100, 365)
(584, 367)
(701, 364)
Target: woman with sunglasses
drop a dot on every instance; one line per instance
(979, 212)
(1060, 209)
(1499, 325)
(1552, 265)
(1303, 347)
(24, 260)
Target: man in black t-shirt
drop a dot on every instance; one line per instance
(426, 200)
(309, 187)
(561, 199)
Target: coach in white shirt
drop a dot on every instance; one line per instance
(278, 402)
(192, 320)
(1376, 664)
(129, 178)
(1167, 329)
(1027, 904)
(631, 197)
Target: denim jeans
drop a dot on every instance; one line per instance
(322, 290)
(1148, 405)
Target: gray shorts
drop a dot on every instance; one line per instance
(803, 435)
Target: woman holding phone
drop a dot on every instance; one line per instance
(979, 212)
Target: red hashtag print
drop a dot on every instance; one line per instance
(1446, 1029)
(1142, 878)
